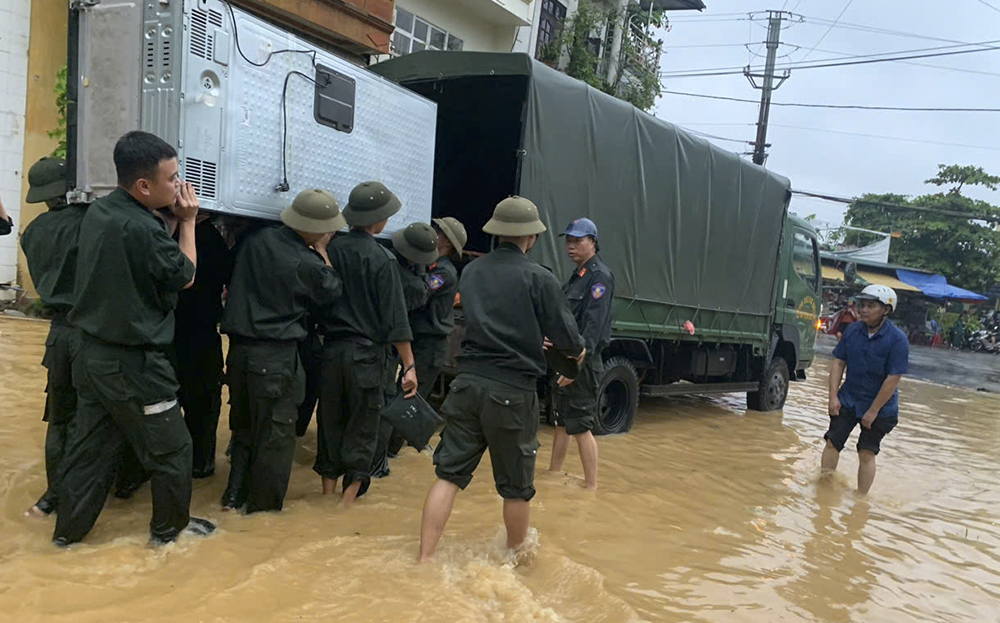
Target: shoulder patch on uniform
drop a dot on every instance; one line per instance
(597, 290)
(436, 281)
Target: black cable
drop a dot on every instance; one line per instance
(283, 187)
(236, 37)
(989, 5)
(718, 138)
(707, 74)
(844, 10)
(837, 106)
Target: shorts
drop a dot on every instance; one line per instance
(575, 406)
(482, 413)
(842, 425)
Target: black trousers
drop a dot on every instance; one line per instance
(199, 371)
(311, 355)
(266, 385)
(61, 346)
(351, 396)
(126, 398)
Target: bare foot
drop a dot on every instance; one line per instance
(351, 493)
(35, 513)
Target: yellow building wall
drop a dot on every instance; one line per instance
(46, 55)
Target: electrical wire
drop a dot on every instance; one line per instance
(889, 138)
(844, 10)
(835, 106)
(236, 37)
(989, 5)
(892, 206)
(823, 65)
(718, 138)
(965, 70)
(839, 56)
(876, 30)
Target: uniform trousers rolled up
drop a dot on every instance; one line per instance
(126, 398)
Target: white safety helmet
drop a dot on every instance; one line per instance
(882, 294)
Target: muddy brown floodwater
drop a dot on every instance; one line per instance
(705, 513)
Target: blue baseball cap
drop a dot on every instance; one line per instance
(580, 228)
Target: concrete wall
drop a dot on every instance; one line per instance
(479, 34)
(15, 16)
(46, 55)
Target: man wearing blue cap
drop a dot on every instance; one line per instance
(590, 290)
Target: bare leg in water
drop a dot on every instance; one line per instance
(437, 509)
(587, 445)
(516, 516)
(831, 457)
(866, 471)
(351, 493)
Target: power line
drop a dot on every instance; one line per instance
(891, 206)
(989, 5)
(889, 138)
(836, 106)
(844, 10)
(707, 74)
(965, 70)
(839, 56)
(876, 30)
(718, 138)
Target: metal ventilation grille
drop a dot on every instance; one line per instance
(203, 176)
(150, 54)
(203, 39)
(165, 56)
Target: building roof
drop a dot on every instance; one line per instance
(836, 257)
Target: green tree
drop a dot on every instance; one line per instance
(966, 250)
(575, 51)
(59, 133)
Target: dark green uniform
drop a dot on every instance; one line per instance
(50, 246)
(6, 226)
(433, 322)
(590, 291)
(277, 281)
(198, 347)
(415, 292)
(129, 272)
(311, 356)
(359, 329)
(510, 304)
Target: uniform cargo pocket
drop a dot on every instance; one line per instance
(369, 366)
(265, 379)
(164, 433)
(504, 409)
(107, 378)
(529, 452)
(49, 355)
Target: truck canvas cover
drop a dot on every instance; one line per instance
(691, 231)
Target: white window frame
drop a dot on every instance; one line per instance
(410, 40)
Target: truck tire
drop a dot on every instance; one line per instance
(773, 388)
(617, 397)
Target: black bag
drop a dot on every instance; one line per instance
(566, 366)
(412, 418)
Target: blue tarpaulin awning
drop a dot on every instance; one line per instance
(936, 286)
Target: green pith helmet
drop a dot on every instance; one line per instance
(453, 231)
(314, 212)
(370, 203)
(47, 180)
(514, 216)
(417, 242)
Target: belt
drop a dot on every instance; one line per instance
(254, 341)
(347, 337)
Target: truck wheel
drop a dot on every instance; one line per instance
(773, 389)
(618, 397)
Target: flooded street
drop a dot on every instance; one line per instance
(705, 513)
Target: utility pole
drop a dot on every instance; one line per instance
(767, 86)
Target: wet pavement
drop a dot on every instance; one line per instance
(706, 513)
(979, 371)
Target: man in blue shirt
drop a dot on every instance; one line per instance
(875, 354)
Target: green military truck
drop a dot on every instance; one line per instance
(717, 286)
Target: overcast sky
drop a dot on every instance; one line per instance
(840, 164)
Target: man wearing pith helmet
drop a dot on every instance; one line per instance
(590, 290)
(358, 329)
(875, 353)
(280, 276)
(511, 304)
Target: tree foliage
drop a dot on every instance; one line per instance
(59, 132)
(965, 250)
(576, 51)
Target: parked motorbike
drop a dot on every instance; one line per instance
(983, 340)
